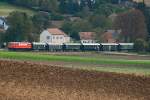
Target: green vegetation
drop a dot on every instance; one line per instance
(127, 70)
(6, 9)
(132, 66)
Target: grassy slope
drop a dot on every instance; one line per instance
(6, 8)
(142, 68)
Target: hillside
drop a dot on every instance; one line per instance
(6, 8)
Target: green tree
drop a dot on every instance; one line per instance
(41, 21)
(20, 27)
(73, 28)
(100, 21)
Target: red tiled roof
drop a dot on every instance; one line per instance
(56, 31)
(108, 37)
(87, 35)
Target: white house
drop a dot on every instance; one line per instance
(3, 24)
(54, 36)
(87, 37)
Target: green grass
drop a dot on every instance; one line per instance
(142, 68)
(41, 57)
(6, 8)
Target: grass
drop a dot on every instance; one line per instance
(126, 70)
(131, 65)
(6, 8)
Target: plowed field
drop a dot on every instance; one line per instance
(20, 80)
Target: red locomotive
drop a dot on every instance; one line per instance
(19, 46)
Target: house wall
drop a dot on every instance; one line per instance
(58, 39)
(46, 37)
(3, 24)
(87, 41)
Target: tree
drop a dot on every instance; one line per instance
(20, 27)
(41, 21)
(73, 28)
(100, 21)
(132, 25)
(146, 11)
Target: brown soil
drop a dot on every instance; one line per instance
(32, 81)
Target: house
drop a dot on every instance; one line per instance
(111, 36)
(147, 2)
(87, 37)
(3, 25)
(54, 36)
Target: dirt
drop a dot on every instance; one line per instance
(23, 80)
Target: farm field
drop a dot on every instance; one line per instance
(6, 8)
(73, 76)
(133, 64)
(22, 80)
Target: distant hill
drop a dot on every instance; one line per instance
(6, 8)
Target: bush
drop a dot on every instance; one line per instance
(140, 45)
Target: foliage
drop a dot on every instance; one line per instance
(100, 21)
(139, 45)
(20, 29)
(41, 21)
(146, 12)
(56, 16)
(73, 28)
(132, 24)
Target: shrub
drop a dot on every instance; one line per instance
(140, 45)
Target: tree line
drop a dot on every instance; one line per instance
(62, 6)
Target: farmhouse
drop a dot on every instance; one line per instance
(111, 36)
(54, 36)
(87, 37)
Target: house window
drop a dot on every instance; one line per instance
(48, 37)
(57, 37)
(60, 37)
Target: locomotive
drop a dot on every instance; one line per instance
(37, 46)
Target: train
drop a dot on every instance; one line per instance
(37, 46)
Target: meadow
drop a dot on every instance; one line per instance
(6, 9)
